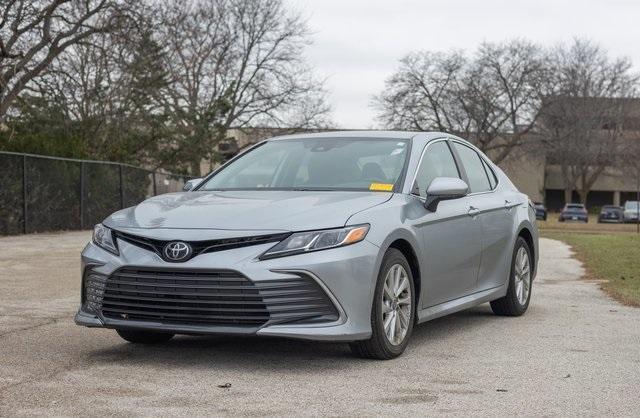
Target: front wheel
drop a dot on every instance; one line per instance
(393, 310)
(516, 301)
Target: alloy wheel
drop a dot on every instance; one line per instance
(396, 304)
(523, 276)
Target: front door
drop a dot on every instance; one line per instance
(451, 236)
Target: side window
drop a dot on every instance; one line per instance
(473, 165)
(437, 161)
(493, 181)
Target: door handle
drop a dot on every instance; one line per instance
(507, 204)
(473, 211)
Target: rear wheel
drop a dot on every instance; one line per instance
(516, 301)
(144, 337)
(393, 310)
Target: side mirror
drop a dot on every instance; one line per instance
(444, 188)
(190, 184)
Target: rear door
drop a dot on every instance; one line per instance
(495, 212)
(451, 237)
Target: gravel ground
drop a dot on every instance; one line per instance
(575, 352)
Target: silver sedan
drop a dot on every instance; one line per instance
(341, 236)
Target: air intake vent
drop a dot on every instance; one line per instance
(213, 297)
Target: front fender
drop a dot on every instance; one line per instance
(389, 223)
(526, 224)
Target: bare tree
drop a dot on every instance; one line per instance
(582, 129)
(493, 99)
(159, 83)
(34, 32)
(420, 95)
(234, 63)
(106, 90)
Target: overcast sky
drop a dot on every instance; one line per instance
(357, 43)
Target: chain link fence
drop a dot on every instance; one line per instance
(39, 193)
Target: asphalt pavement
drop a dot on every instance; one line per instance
(575, 352)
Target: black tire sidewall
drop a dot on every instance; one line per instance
(520, 243)
(391, 257)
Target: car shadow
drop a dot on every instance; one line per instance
(271, 354)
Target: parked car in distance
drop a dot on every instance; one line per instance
(337, 236)
(574, 212)
(611, 214)
(541, 211)
(631, 211)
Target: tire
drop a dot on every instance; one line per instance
(513, 303)
(379, 346)
(144, 337)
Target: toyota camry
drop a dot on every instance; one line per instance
(345, 236)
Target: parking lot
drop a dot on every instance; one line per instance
(576, 352)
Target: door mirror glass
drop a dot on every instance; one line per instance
(191, 184)
(444, 188)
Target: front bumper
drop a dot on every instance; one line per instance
(574, 218)
(609, 219)
(347, 275)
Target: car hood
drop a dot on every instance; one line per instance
(247, 210)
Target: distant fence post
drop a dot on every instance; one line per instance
(121, 188)
(155, 188)
(82, 195)
(24, 194)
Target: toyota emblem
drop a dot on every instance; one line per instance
(177, 251)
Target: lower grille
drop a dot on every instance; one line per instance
(212, 297)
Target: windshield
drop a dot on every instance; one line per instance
(315, 164)
(631, 205)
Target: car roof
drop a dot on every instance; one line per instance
(373, 134)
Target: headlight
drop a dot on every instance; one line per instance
(103, 238)
(304, 242)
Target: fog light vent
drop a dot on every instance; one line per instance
(94, 290)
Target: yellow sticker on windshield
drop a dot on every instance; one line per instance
(381, 187)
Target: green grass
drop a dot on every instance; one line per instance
(614, 258)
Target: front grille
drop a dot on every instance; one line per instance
(201, 247)
(213, 297)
